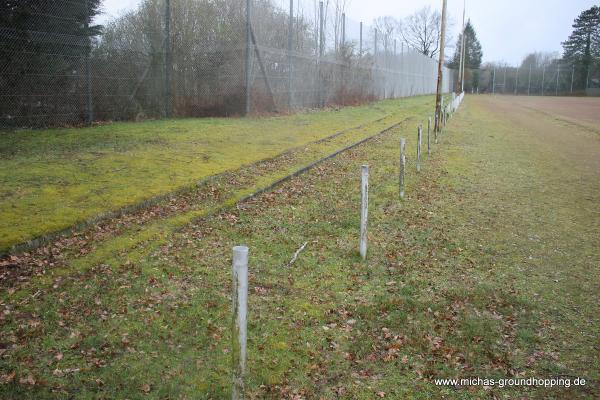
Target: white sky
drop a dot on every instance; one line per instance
(507, 29)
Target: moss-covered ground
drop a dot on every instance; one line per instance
(53, 179)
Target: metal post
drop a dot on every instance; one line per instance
(543, 78)
(435, 132)
(419, 136)
(321, 53)
(343, 30)
(438, 96)
(504, 82)
(239, 321)
(88, 68)
(364, 210)
(168, 58)
(321, 30)
(494, 82)
(517, 82)
(529, 82)
(290, 59)
(402, 166)
(587, 79)
(572, 77)
(428, 136)
(557, 77)
(360, 46)
(248, 53)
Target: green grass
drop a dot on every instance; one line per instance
(51, 180)
(469, 276)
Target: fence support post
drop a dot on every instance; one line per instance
(248, 53)
(360, 46)
(321, 53)
(239, 319)
(428, 136)
(290, 59)
(88, 69)
(435, 132)
(419, 134)
(543, 78)
(529, 82)
(557, 77)
(343, 30)
(572, 77)
(364, 210)
(402, 166)
(168, 58)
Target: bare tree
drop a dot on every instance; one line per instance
(422, 31)
(388, 28)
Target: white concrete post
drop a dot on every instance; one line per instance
(402, 166)
(435, 131)
(428, 136)
(419, 134)
(364, 210)
(239, 320)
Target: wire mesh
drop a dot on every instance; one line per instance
(539, 80)
(188, 58)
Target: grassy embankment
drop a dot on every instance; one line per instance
(51, 180)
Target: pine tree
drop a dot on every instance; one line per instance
(583, 46)
(473, 54)
(43, 44)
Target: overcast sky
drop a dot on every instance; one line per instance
(507, 29)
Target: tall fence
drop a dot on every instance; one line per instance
(194, 58)
(551, 80)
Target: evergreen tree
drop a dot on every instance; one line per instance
(473, 55)
(582, 49)
(42, 47)
(473, 52)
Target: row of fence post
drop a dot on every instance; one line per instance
(240, 254)
(543, 84)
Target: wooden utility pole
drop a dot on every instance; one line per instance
(438, 96)
(461, 69)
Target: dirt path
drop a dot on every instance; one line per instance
(581, 111)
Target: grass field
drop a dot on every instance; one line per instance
(488, 268)
(51, 180)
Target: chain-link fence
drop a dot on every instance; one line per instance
(194, 58)
(555, 79)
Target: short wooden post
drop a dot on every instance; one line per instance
(364, 210)
(435, 131)
(419, 134)
(428, 136)
(239, 320)
(402, 166)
